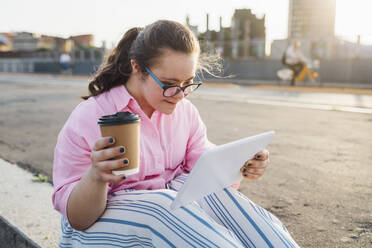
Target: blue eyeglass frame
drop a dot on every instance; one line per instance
(165, 87)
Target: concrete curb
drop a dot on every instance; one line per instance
(13, 237)
(26, 209)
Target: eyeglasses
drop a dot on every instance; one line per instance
(172, 90)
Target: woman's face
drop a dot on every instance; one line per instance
(172, 68)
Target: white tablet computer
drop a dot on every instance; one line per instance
(219, 168)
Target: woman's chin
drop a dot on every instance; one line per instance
(168, 108)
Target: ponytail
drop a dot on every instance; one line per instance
(116, 69)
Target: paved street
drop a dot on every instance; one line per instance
(318, 183)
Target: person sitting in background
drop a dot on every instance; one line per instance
(294, 60)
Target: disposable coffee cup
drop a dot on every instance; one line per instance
(125, 128)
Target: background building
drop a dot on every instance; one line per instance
(193, 28)
(25, 41)
(311, 19)
(85, 40)
(248, 34)
(6, 43)
(245, 38)
(312, 22)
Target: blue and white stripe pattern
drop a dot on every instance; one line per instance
(143, 218)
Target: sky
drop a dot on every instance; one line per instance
(109, 19)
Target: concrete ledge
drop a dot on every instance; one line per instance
(27, 205)
(13, 237)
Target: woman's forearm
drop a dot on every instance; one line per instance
(87, 202)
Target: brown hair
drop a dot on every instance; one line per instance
(144, 46)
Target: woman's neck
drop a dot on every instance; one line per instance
(135, 91)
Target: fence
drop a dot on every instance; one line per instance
(351, 71)
(46, 66)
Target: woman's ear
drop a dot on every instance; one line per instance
(135, 67)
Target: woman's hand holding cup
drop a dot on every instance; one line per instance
(103, 160)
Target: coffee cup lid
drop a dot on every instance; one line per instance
(118, 119)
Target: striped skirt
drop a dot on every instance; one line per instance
(143, 218)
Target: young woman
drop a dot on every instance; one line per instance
(150, 73)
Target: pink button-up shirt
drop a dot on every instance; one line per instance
(170, 144)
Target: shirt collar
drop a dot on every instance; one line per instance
(121, 97)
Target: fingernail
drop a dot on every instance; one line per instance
(125, 161)
(111, 140)
(122, 149)
(245, 174)
(249, 163)
(258, 156)
(123, 177)
(245, 169)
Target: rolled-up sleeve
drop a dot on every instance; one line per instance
(71, 161)
(72, 153)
